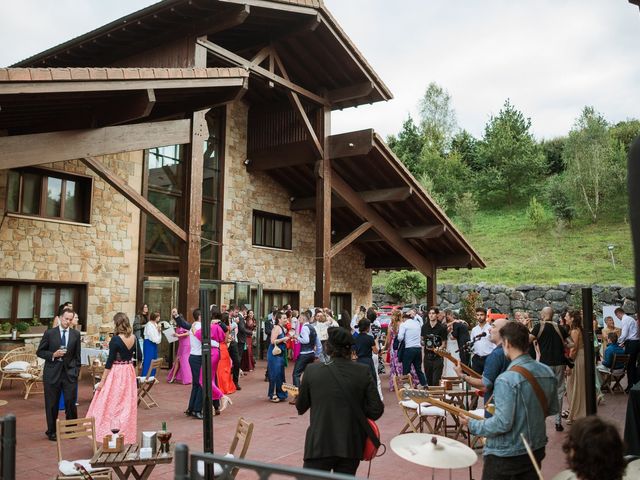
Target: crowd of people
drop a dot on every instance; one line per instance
(525, 369)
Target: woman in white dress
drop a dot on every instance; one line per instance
(452, 347)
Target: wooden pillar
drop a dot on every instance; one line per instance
(323, 218)
(432, 291)
(189, 286)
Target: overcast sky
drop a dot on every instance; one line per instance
(550, 57)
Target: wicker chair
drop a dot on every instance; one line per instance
(33, 380)
(17, 362)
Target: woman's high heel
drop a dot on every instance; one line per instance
(225, 401)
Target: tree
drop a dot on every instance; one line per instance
(437, 118)
(427, 182)
(625, 132)
(508, 147)
(559, 200)
(448, 175)
(407, 286)
(552, 150)
(466, 209)
(595, 163)
(466, 145)
(408, 146)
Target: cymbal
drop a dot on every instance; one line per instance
(631, 473)
(433, 451)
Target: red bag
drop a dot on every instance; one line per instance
(370, 449)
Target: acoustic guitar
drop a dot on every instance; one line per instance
(442, 352)
(423, 396)
(290, 389)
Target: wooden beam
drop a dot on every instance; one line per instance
(347, 240)
(324, 181)
(351, 144)
(233, 19)
(397, 194)
(432, 291)
(386, 263)
(239, 61)
(26, 150)
(286, 155)
(454, 261)
(380, 225)
(78, 86)
(134, 197)
(351, 92)
(285, 7)
(132, 107)
(298, 108)
(422, 232)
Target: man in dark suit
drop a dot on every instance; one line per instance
(60, 349)
(335, 438)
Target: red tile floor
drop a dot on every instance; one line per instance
(278, 433)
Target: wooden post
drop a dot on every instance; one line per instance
(189, 286)
(432, 290)
(323, 219)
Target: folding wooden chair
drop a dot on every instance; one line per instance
(238, 449)
(145, 384)
(416, 414)
(617, 374)
(72, 429)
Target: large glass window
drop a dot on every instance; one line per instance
(271, 230)
(49, 194)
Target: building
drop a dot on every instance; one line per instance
(183, 155)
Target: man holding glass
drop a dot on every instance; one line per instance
(60, 349)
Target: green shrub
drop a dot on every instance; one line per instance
(5, 327)
(466, 210)
(406, 286)
(559, 200)
(22, 327)
(535, 212)
(470, 302)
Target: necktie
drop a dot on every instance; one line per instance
(64, 338)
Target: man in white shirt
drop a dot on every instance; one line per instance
(195, 362)
(483, 345)
(630, 340)
(410, 333)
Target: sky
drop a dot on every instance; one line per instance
(549, 57)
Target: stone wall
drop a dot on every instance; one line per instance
(275, 269)
(531, 298)
(103, 254)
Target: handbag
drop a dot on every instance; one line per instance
(276, 350)
(372, 442)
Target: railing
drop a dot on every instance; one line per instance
(230, 467)
(8, 447)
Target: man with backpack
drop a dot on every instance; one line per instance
(310, 347)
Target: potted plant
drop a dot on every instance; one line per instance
(22, 327)
(37, 326)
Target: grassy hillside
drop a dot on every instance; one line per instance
(516, 253)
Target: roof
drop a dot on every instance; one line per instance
(368, 166)
(37, 100)
(317, 52)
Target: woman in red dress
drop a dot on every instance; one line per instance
(225, 378)
(248, 362)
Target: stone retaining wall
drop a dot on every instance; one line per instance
(530, 298)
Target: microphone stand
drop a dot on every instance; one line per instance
(466, 399)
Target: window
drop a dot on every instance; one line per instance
(340, 302)
(280, 298)
(49, 194)
(270, 230)
(22, 301)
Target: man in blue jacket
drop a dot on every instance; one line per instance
(524, 395)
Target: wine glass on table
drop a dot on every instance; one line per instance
(115, 429)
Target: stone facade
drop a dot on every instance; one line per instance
(275, 269)
(530, 298)
(103, 254)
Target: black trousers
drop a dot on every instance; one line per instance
(235, 361)
(52, 400)
(335, 464)
(433, 369)
(301, 363)
(195, 400)
(511, 468)
(632, 348)
(477, 363)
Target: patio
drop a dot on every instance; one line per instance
(278, 435)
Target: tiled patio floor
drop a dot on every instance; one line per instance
(278, 434)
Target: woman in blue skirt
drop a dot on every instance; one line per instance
(152, 338)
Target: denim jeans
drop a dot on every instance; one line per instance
(195, 400)
(413, 356)
(301, 364)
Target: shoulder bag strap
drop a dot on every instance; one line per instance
(537, 389)
(357, 411)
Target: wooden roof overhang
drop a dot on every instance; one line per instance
(389, 196)
(318, 54)
(35, 100)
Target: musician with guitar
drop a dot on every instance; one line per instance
(524, 395)
(495, 364)
(341, 395)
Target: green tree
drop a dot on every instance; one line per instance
(559, 199)
(437, 118)
(509, 149)
(552, 150)
(466, 210)
(625, 132)
(535, 212)
(408, 146)
(450, 177)
(427, 182)
(595, 162)
(407, 286)
(466, 145)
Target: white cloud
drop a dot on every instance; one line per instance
(549, 57)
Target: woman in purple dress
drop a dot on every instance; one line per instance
(181, 371)
(395, 363)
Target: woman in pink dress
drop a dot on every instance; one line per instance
(116, 398)
(298, 328)
(181, 371)
(220, 400)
